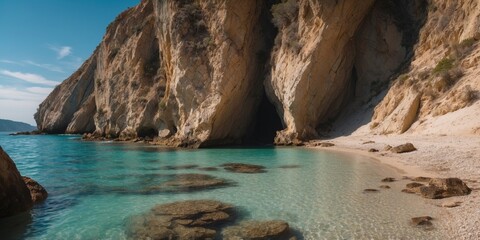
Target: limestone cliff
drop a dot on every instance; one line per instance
(200, 73)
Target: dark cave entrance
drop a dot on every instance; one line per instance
(265, 125)
(266, 122)
(146, 132)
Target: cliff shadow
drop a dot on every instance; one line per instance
(381, 55)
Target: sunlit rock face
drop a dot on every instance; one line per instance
(196, 73)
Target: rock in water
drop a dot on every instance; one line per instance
(14, 194)
(444, 188)
(243, 168)
(37, 192)
(407, 147)
(189, 182)
(193, 219)
(271, 230)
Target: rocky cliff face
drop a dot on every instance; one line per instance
(14, 194)
(200, 73)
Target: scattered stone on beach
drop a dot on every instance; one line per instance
(422, 179)
(190, 182)
(368, 142)
(37, 192)
(423, 222)
(272, 230)
(444, 187)
(409, 190)
(387, 148)
(324, 144)
(208, 169)
(289, 166)
(369, 190)
(414, 185)
(388, 179)
(373, 150)
(193, 219)
(404, 148)
(243, 168)
(180, 167)
(451, 204)
(384, 187)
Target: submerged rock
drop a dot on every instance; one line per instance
(289, 166)
(243, 168)
(385, 187)
(190, 182)
(208, 169)
(193, 219)
(272, 230)
(180, 167)
(14, 194)
(37, 192)
(404, 148)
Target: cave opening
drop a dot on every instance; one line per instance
(266, 122)
(147, 132)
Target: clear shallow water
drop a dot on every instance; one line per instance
(93, 189)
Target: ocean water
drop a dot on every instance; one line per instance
(94, 189)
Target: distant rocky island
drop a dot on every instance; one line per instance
(13, 126)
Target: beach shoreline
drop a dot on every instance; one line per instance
(436, 156)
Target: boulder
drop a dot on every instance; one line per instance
(14, 194)
(373, 150)
(384, 187)
(271, 230)
(193, 219)
(243, 168)
(37, 191)
(444, 187)
(407, 147)
(368, 190)
(190, 182)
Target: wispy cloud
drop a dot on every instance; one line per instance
(8, 93)
(29, 77)
(10, 62)
(40, 90)
(62, 51)
(47, 66)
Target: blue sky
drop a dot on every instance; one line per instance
(44, 42)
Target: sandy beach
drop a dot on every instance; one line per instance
(436, 156)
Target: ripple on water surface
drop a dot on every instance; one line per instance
(320, 194)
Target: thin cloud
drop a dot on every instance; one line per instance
(49, 67)
(29, 77)
(10, 62)
(62, 51)
(8, 93)
(40, 90)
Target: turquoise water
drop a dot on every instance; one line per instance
(93, 189)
